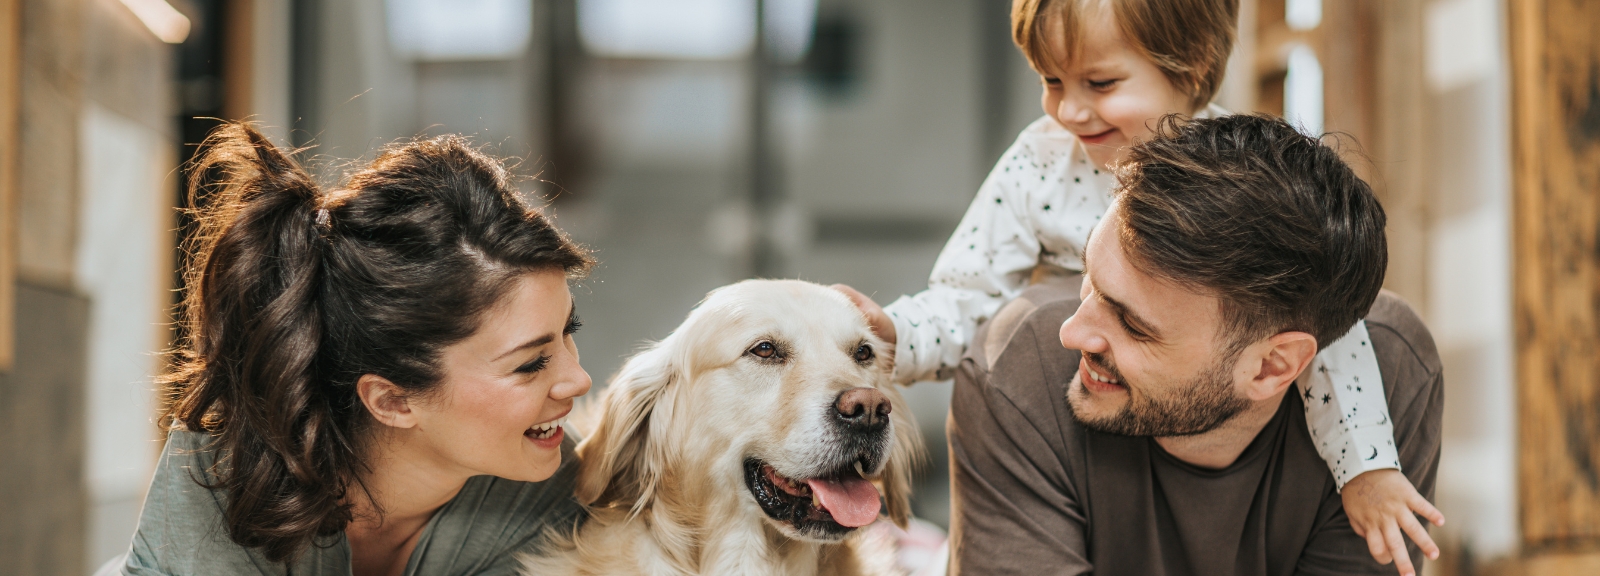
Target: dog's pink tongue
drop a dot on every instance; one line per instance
(853, 502)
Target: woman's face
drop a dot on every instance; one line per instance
(507, 387)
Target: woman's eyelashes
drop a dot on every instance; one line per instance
(573, 324)
(535, 365)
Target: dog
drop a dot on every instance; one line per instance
(752, 440)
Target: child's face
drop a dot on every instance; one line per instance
(1109, 95)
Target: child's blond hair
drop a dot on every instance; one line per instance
(1189, 40)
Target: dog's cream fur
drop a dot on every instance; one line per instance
(663, 470)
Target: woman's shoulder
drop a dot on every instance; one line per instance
(181, 528)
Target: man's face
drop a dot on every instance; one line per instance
(1153, 355)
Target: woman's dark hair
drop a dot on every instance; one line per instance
(1270, 220)
(293, 293)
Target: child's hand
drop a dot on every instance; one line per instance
(876, 317)
(1380, 504)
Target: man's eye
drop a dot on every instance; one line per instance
(1135, 333)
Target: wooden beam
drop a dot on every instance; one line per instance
(1555, 64)
(10, 115)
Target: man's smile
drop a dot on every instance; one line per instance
(1097, 378)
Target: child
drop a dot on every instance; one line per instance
(1110, 69)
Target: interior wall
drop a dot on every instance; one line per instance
(122, 261)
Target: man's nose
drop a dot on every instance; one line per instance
(1077, 335)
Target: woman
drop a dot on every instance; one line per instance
(374, 377)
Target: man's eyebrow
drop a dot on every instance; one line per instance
(1127, 315)
(542, 340)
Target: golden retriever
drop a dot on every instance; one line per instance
(749, 441)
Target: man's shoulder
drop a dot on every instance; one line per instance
(1403, 344)
(1017, 358)
(1023, 332)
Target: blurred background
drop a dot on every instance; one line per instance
(694, 143)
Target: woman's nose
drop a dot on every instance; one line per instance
(574, 382)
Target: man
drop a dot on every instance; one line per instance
(1144, 418)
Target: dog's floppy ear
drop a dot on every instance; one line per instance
(907, 455)
(618, 463)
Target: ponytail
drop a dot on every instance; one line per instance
(281, 313)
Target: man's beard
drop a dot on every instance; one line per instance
(1198, 406)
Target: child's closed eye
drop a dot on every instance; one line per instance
(1050, 82)
(1102, 85)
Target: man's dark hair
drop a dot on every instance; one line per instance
(1267, 219)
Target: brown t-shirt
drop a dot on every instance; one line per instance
(1034, 492)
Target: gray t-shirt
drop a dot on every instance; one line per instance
(478, 532)
(1034, 492)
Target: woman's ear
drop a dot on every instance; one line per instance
(907, 456)
(386, 401)
(618, 464)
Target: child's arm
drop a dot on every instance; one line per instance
(986, 262)
(1348, 416)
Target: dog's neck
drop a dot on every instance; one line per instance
(704, 532)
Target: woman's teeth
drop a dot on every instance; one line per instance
(1099, 378)
(546, 430)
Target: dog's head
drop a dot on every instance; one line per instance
(773, 392)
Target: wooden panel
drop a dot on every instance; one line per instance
(1555, 54)
(10, 98)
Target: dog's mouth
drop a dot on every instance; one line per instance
(826, 507)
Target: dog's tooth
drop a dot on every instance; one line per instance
(859, 471)
(816, 500)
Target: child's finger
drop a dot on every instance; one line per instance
(1418, 534)
(1422, 506)
(1375, 545)
(1397, 548)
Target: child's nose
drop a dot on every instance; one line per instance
(1073, 110)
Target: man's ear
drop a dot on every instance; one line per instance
(386, 401)
(1279, 360)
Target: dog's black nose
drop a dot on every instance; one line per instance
(863, 409)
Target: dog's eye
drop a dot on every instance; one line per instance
(764, 349)
(863, 353)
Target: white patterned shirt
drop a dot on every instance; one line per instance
(1038, 206)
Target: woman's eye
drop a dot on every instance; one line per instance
(763, 349)
(536, 365)
(864, 353)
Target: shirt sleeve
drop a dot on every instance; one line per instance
(987, 261)
(1415, 397)
(1345, 408)
(1012, 508)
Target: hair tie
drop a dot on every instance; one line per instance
(322, 217)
